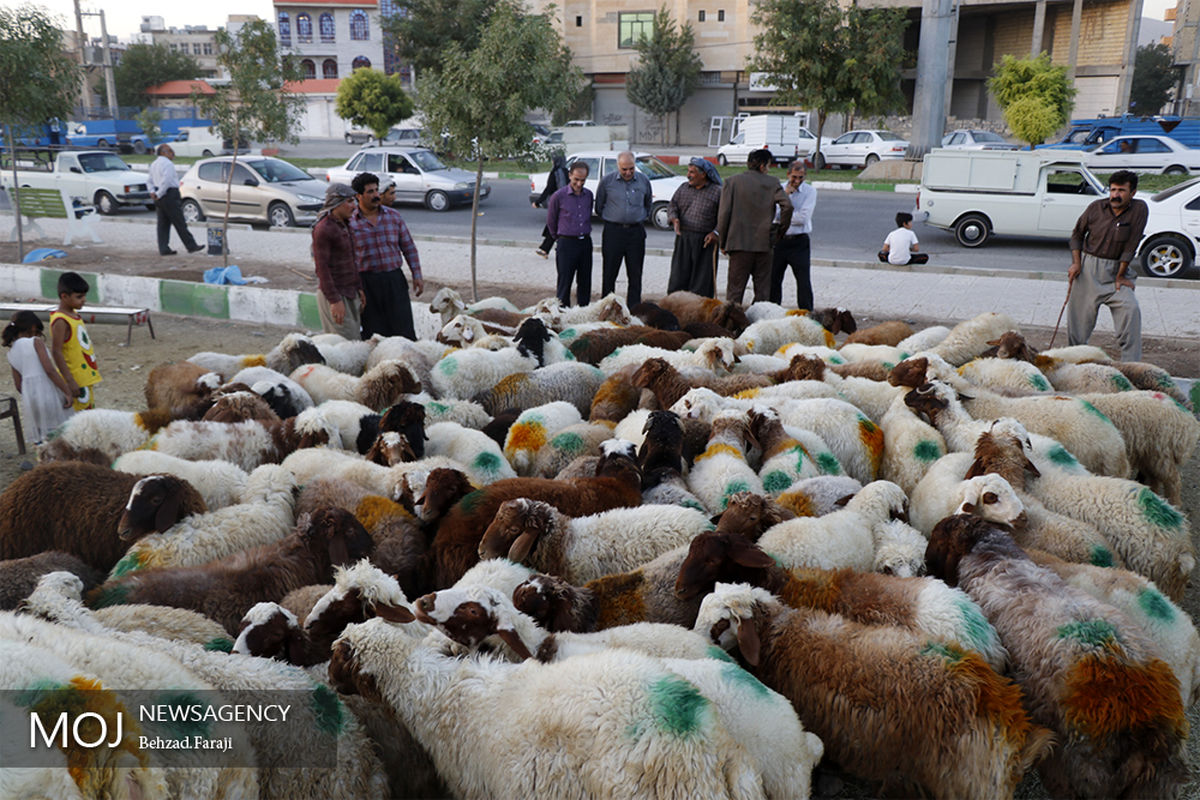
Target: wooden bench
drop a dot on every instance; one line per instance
(10, 408)
(90, 314)
(54, 204)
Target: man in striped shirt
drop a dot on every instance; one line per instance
(382, 244)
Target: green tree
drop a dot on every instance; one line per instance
(1153, 77)
(1034, 78)
(370, 99)
(256, 102)
(668, 69)
(40, 82)
(427, 27)
(148, 120)
(146, 65)
(830, 60)
(480, 98)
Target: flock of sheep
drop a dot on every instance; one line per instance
(680, 550)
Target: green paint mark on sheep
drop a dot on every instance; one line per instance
(182, 725)
(219, 645)
(719, 654)
(110, 595)
(828, 464)
(448, 365)
(1091, 409)
(1039, 382)
(436, 408)
(1060, 455)
(677, 705)
(1155, 606)
(1158, 512)
(1121, 382)
(732, 488)
(485, 462)
(568, 442)
(776, 481)
(978, 632)
(866, 424)
(927, 450)
(1100, 556)
(948, 653)
(836, 360)
(1194, 394)
(131, 562)
(568, 334)
(1092, 632)
(689, 503)
(733, 673)
(328, 710)
(469, 503)
(1164, 381)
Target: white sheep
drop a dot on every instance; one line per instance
(887, 355)
(245, 444)
(816, 497)
(381, 385)
(924, 339)
(467, 413)
(462, 373)
(1008, 376)
(227, 365)
(769, 335)
(899, 549)
(345, 355)
(872, 397)
(533, 429)
(569, 443)
(910, 446)
(218, 482)
(481, 458)
(107, 430)
(355, 423)
(826, 354)
(723, 470)
(716, 355)
(854, 439)
(764, 309)
(261, 379)
(969, 338)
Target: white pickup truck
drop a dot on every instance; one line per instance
(96, 177)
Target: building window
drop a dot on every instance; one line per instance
(358, 26)
(309, 68)
(405, 73)
(208, 48)
(303, 28)
(327, 30)
(195, 48)
(285, 29)
(360, 62)
(329, 68)
(632, 27)
(701, 18)
(721, 15)
(578, 22)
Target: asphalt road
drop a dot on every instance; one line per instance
(847, 226)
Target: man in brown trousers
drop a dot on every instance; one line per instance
(744, 221)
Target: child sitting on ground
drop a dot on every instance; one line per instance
(900, 246)
(72, 350)
(44, 393)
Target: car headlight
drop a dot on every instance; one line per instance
(462, 185)
(308, 198)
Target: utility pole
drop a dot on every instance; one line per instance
(933, 71)
(85, 91)
(110, 84)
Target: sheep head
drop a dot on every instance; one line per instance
(732, 317)
(346, 674)
(651, 370)
(836, 320)
(295, 350)
(336, 535)
(240, 407)
(804, 368)
(1004, 454)
(910, 372)
(268, 630)
(953, 539)
(750, 515)
(1011, 344)
(516, 529)
(443, 488)
(448, 303)
(618, 459)
(927, 402)
(531, 338)
(385, 383)
(732, 614)
(155, 504)
(360, 592)
(991, 497)
(390, 448)
(718, 555)
(551, 601)
(470, 614)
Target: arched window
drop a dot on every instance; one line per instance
(327, 30)
(359, 62)
(329, 68)
(285, 29)
(303, 28)
(310, 69)
(358, 26)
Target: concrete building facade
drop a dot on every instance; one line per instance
(197, 41)
(1185, 47)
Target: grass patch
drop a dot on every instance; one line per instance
(1149, 184)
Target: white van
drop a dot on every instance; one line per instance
(783, 135)
(978, 193)
(199, 142)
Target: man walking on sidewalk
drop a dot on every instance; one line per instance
(1107, 235)
(163, 182)
(744, 223)
(623, 200)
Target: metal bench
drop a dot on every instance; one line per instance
(10, 407)
(89, 314)
(55, 204)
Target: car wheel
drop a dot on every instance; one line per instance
(819, 162)
(151, 207)
(1175, 169)
(1166, 257)
(280, 216)
(206, 153)
(102, 143)
(437, 201)
(658, 216)
(871, 159)
(722, 160)
(139, 147)
(191, 212)
(972, 230)
(349, 139)
(105, 203)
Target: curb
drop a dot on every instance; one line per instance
(848, 186)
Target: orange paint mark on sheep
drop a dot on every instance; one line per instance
(1105, 696)
(307, 370)
(830, 342)
(619, 599)
(526, 436)
(747, 394)
(373, 509)
(254, 361)
(871, 436)
(719, 448)
(798, 503)
(812, 588)
(510, 383)
(999, 697)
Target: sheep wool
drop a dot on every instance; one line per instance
(533, 429)
(218, 482)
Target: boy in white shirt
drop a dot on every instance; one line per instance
(900, 246)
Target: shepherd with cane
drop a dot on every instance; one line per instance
(1103, 244)
(693, 213)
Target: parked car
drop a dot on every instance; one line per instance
(979, 193)
(579, 123)
(972, 139)
(420, 177)
(264, 190)
(1160, 154)
(861, 149)
(1168, 247)
(202, 142)
(663, 180)
(358, 136)
(97, 177)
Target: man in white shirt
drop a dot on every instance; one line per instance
(900, 246)
(793, 248)
(163, 183)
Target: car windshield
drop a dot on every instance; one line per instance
(98, 162)
(988, 136)
(426, 160)
(1078, 136)
(275, 171)
(1174, 190)
(652, 168)
(888, 136)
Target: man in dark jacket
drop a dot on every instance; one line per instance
(339, 295)
(744, 222)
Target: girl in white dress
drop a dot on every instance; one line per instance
(46, 396)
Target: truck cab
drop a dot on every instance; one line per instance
(97, 177)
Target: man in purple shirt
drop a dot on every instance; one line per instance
(569, 220)
(382, 244)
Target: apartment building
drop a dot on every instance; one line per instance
(197, 41)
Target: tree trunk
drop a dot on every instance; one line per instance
(229, 192)
(820, 130)
(15, 198)
(475, 223)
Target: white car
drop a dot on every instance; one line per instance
(419, 175)
(973, 139)
(663, 180)
(1145, 154)
(1168, 248)
(861, 149)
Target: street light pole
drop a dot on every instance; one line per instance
(933, 71)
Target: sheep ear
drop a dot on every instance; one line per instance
(748, 643)
(1033, 470)
(993, 343)
(297, 652)
(977, 468)
(519, 551)
(750, 556)
(843, 500)
(168, 513)
(393, 613)
(510, 638)
(964, 398)
(338, 552)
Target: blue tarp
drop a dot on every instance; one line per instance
(42, 253)
(231, 274)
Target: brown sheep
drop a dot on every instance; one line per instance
(663, 445)
(835, 320)
(390, 448)
(408, 418)
(801, 368)
(35, 514)
(615, 398)
(19, 576)
(892, 333)
(593, 346)
(872, 370)
(705, 330)
(239, 407)
(689, 307)
(176, 386)
(224, 590)
(669, 384)
(456, 545)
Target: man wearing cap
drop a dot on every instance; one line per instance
(623, 201)
(793, 248)
(745, 220)
(339, 295)
(693, 212)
